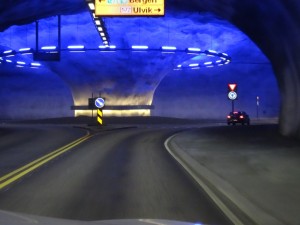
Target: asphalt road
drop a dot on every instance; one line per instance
(121, 174)
(21, 144)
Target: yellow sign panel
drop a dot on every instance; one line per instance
(130, 7)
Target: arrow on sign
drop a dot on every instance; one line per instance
(157, 10)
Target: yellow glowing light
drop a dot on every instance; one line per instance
(115, 113)
(130, 8)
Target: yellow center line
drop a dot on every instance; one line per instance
(39, 159)
(22, 171)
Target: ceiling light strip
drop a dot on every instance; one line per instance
(99, 23)
(222, 58)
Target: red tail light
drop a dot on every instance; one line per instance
(241, 117)
(228, 117)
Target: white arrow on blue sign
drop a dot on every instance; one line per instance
(99, 103)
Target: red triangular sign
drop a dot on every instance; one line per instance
(232, 86)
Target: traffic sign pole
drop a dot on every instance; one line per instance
(257, 107)
(100, 117)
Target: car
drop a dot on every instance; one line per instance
(238, 117)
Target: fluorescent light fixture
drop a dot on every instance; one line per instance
(179, 66)
(97, 22)
(219, 61)
(24, 49)
(9, 56)
(19, 66)
(100, 29)
(194, 49)
(193, 65)
(77, 51)
(21, 63)
(91, 6)
(208, 63)
(140, 47)
(35, 64)
(105, 42)
(224, 54)
(209, 66)
(227, 62)
(212, 51)
(165, 52)
(195, 68)
(168, 48)
(104, 38)
(102, 34)
(74, 47)
(107, 48)
(7, 51)
(48, 48)
(9, 61)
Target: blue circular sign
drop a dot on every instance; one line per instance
(232, 95)
(99, 103)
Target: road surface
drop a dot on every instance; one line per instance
(120, 174)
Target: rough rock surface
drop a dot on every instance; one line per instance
(272, 25)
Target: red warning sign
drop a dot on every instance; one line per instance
(232, 87)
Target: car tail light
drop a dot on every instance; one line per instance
(228, 117)
(241, 117)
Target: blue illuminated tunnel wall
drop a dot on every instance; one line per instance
(203, 93)
(130, 78)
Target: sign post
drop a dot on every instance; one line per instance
(232, 94)
(257, 107)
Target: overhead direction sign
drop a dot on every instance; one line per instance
(130, 7)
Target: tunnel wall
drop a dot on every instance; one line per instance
(275, 27)
(32, 94)
(203, 93)
(272, 24)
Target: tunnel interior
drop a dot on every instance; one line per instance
(138, 78)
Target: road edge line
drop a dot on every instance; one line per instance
(228, 213)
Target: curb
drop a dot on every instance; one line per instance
(238, 209)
